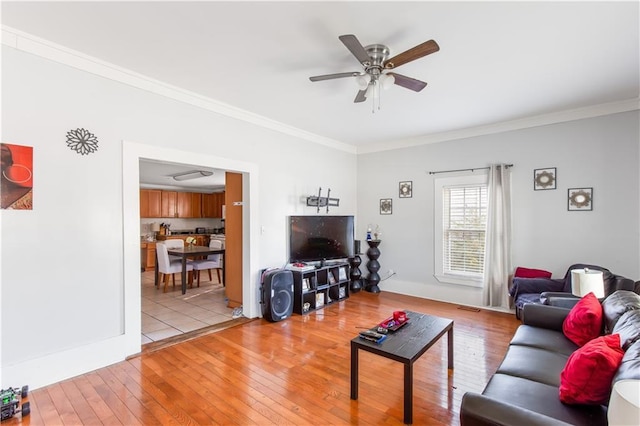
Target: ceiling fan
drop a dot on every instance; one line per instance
(377, 67)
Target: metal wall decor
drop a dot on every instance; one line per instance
(82, 141)
(544, 179)
(580, 199)
(406, 189)
(386, 206)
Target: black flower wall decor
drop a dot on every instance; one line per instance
(82, 141)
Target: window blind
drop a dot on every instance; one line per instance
(464, 224)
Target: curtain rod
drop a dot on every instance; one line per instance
(466, 170)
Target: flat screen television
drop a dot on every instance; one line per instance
(320, 238)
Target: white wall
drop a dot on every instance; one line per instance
(67, 286)
(598, 152)
(65, 279)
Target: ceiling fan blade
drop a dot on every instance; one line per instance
(412, 54)
(356, 48)
(361, 96)
(408, 82)
(332, 76)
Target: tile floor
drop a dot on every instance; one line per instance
(169, 314)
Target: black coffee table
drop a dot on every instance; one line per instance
(405, 345)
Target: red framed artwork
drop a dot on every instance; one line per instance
(16, 176)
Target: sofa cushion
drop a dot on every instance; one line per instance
(531, 273)
(630, 366)
(584, 321)
(588, 375)
(534, 364)
(628, 327)
(543, 338)
(614, 306)
(542, 398)
(525, 298)
(534, 285)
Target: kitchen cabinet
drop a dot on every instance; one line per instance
(207, 205)
(169, 202)
(148, 256)
(196, 205)
(212, 204)
(150, 203)
(185, 205)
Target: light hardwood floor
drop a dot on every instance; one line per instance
(291, 372)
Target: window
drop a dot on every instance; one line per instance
(460, 224)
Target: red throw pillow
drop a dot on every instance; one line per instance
(587, 377)
(584, 321)
(531, 273)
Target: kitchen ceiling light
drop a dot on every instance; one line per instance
(194, 174)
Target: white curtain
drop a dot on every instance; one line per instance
(497, 257)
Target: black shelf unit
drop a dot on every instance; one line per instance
(324, 286)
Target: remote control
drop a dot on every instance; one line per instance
(372, 336)
(373, 339)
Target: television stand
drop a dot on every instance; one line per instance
(315, 289)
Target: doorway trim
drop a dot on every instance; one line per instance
(132, 153)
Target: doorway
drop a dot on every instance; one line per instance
(169, 313)
(132, 153)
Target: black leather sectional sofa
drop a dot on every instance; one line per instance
(525, 388)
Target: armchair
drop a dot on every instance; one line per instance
(541, 290)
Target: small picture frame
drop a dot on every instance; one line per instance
(306, 284)
(342, 274)
(342, 292)
(386, 206)
(580, 199)
(544, 179)
(331, 277)
(405, 189)
(319, 299)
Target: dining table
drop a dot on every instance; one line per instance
(193, 252)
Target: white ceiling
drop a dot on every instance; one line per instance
(159, 174)
(498, 61)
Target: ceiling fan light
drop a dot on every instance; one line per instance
(363, 81)
(387, 81)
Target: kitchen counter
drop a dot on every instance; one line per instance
(183, 236)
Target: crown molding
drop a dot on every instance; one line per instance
(507, 126)
(46, 49)
(29, 43)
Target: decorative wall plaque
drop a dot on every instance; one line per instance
(544, 179)
(580, 199)
(386, 206)
(406, 189)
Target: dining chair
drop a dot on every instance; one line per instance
(174, 243)
(167, 267)
(213, 261)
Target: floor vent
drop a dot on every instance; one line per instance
(468, 308)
